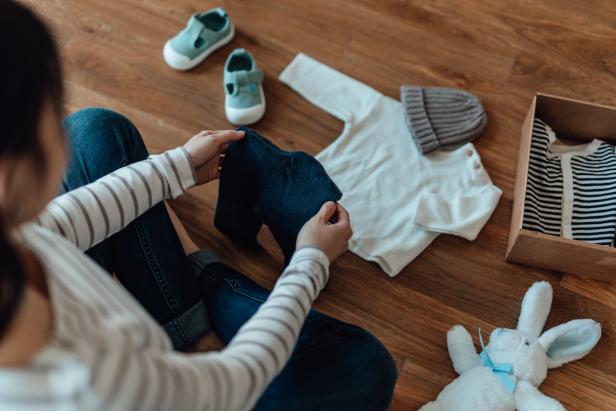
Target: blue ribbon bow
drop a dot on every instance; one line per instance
(504, 372)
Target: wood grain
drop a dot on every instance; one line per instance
(502, 51)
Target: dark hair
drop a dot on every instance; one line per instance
(30, 75)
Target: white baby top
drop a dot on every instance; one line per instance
(399, 199)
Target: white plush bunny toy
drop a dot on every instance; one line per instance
(506, 375)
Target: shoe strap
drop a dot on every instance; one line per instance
(196, 29)
(243, 78)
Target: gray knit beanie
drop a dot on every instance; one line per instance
(439, 117)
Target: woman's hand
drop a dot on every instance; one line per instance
(206, 150)
(331, 237)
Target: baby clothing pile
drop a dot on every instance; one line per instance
(407, 170)
(571, 189)
(399, 199)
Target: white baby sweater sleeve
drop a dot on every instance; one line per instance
(334, 92)
(463, 215)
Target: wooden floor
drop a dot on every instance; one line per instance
(504, 51)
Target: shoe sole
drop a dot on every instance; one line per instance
(199, 59)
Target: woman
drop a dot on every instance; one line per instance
(72, 338)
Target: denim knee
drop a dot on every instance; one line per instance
(375, 370)
(343, 368)
(104, 137)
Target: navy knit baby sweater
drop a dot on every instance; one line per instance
(262, 184)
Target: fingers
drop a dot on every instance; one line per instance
(343, 215)
(226, 136)
(344, 221)
(327, 211)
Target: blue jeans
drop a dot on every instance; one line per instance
(335, 365)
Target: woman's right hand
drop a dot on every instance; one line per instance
(331, 238)
(206, 151)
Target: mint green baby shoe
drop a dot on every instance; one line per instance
(244, 98)
(205, 33)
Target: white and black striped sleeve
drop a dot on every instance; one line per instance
(91, 213)
(234, 378)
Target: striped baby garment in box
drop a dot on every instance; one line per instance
(571, 190)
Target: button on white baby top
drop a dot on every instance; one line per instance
(399, 199)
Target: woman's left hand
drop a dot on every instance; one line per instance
(206, 150)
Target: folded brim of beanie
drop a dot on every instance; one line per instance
(439, 117)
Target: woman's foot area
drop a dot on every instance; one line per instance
(334, 366)
(346, 368)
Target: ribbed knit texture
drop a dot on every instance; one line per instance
(440, 117)
(261, 183)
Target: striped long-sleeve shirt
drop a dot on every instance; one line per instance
(107, 353)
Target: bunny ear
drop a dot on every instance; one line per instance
(570, 341)
(535, 308)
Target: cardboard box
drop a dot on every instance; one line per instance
(576, 121)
